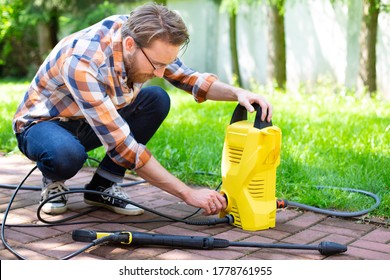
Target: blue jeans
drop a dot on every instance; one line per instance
(60, 148)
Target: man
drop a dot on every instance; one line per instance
(88, 93)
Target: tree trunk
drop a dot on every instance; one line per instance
(54, 26)
(44, 41)
(368, 39)
(233, 47)
(276, 46)
(48, 34)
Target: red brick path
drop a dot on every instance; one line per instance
(365, 241)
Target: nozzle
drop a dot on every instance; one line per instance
(331, 248)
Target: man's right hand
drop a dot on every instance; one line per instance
(212, 202)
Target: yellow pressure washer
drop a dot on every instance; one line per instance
(251, 154)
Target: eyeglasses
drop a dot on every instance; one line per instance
(151, 63)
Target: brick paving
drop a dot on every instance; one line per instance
(365, 240)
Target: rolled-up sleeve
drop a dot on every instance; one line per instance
(189, 80)
(86, 84)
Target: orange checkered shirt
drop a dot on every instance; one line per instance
(84, 77)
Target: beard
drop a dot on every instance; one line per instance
(132, 72)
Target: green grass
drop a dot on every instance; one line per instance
(11, 93)
(328, 139)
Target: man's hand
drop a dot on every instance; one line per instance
(212, 202)
(246, 99)
(224, 92)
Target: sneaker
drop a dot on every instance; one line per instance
(116, 205)
(58, 204)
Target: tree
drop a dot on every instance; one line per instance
(277, 69)
(47, 16)
(25, 21)
(368, 40)
(232, 7)
(276, 39)
(17, 39)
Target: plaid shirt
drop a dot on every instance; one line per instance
(84, 77)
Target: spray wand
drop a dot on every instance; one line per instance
(195, 242)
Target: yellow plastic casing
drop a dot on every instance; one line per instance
(249, 161)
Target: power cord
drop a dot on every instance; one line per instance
(6, 215)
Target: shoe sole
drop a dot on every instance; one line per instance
(54, 211)
(116, 209)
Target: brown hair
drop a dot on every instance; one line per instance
(153, 21)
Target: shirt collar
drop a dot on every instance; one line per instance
(117, 48)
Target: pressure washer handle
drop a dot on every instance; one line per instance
(180, 241)
(241, 114)
(91, 235)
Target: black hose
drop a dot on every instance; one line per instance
(338, 213)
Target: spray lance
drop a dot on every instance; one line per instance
(193, 242)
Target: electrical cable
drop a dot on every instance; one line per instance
(92, 244)
(6, 215)
(212, 221)
(39, 188)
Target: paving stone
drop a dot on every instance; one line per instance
(181, 255)
(285, 215)
(272, 233)
(342, 231)
(40, 232)
(20, 237)
(144, 253)
(378, 235)
(345, 223)
(366, 254)
(50, 243)
(305, 220)
(252, 239)
(233, 235)
(374, 246)
(269, 254)
(306, 236)
(220, 254)
(178, 231)
(63, 251)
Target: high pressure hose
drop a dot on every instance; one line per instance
(282, 203)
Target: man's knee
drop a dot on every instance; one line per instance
(161, 99)
(62, 163)
(152, 102)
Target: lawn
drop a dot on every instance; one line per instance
(329, 139)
